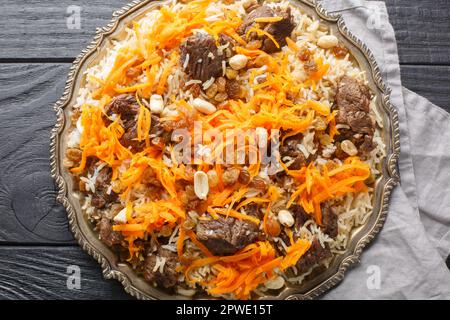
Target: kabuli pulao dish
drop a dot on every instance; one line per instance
(225, 148)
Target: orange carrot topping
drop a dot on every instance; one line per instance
(319, 185)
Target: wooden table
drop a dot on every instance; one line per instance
(37, 47)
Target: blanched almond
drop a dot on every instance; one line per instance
(327, 42)
(201, 185)
(285, 217)
(156, 103)
(238, 61)
(203, 106)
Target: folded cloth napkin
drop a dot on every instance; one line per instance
(407, 259)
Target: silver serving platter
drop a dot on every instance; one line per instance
(315, 284)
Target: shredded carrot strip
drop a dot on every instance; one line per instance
(317, 186)
(244, 271)
(260, 32)
(200, 245)
(235, 214)
(292, 45)
(268, 19)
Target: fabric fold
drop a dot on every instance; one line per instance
(407, 259)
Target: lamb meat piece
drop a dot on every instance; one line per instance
(101, 197)
(168, 278)
(253, 209)
(204, 60)
(256, 12)
(366, 146)
(226, 235)
(106, 233)
(329, 220)
(313, 256)
(290, 149)
(129, 139)
(279, 30)
(300, 215)
(125, 106)
(352, 102)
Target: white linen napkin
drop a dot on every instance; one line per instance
(407, 259)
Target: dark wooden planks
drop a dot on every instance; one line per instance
(422, 30)
(432, 82)
(42, 273)
(28, 211)
(39, 30)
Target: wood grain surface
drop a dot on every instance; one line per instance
(36, 247)
(38, 29)
(44, 273)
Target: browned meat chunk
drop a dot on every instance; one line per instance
(352, 101)
(125, 106)
(313, 256)
(168, 278)
(225, 236)
(101, 197)
(290, 149)
(300, 215)
(329, 220)
(107, 235)
(279, 30)
(204, 60)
